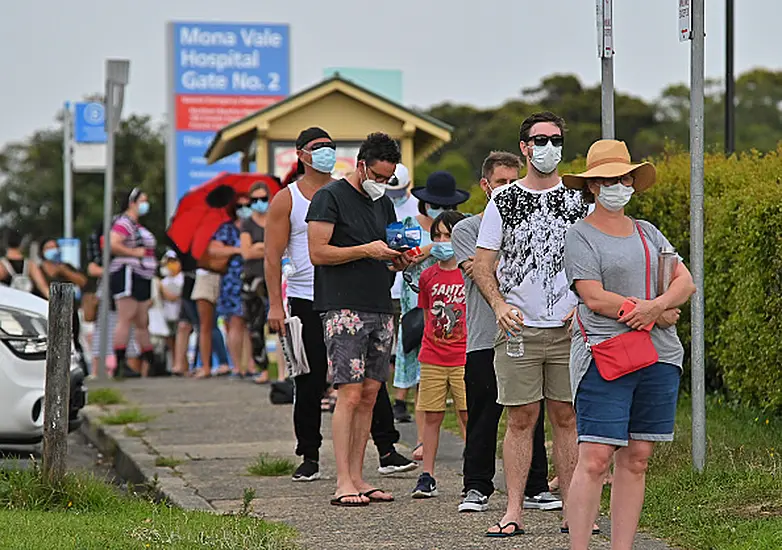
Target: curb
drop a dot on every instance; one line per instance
(134, 461)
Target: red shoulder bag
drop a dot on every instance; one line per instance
(626, 352)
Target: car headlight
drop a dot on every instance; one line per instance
(24, 333)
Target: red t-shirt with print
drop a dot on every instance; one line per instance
(442, 298)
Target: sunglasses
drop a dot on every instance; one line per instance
(321, 145)
(408, 278)
(541, 140)
(259, 199)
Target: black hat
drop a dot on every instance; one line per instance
(310, 134)
(440, 190)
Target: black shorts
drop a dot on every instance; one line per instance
(127, 284)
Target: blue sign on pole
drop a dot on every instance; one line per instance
(219, 73)
(89, 123)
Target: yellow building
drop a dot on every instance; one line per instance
(347, 111)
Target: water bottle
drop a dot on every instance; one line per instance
(667, 261)
(288, 268)
(514, 347)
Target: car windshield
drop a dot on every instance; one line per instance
(21, 324)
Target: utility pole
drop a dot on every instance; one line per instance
(730, 84)
(67, 171)
(605, 44)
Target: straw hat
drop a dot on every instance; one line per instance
(608, 158)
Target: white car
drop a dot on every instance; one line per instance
(23, 331)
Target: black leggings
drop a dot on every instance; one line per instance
(255, 311)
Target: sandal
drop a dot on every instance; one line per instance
(420, 456)
(202, 375)
(371, 492)
(340, 501)
(501, 534)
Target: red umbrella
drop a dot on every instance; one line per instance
(203, 210)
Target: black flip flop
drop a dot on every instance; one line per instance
(371, 492)
(501, 534)
(340, 501)
(566, 531)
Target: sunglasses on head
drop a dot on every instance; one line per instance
(541, 140)
(408, 278)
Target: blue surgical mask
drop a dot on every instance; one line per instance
(52, 254)
(324, 159)
(244, 212)
(260, 206)
(434, 212)
(143, 208)
(442, 251)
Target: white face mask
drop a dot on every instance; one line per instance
(372, 188)
(545, 159)
(615, 197)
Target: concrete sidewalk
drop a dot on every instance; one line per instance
(217, 427)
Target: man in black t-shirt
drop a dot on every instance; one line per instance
(354, 266)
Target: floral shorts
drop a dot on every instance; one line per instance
(358, 345)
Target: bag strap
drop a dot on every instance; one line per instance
(648, 261)
(648, 281)
(8, 267)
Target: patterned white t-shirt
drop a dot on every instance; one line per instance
(528, 229)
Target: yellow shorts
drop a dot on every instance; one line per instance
(434, 386)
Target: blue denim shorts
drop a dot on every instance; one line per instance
(639, 406)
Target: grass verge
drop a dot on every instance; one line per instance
(269, 466)
(168, 462)
(86, 513)
(126, 416)
(105, 396)
(735, 504)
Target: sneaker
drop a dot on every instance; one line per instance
(543, 501)
(309, 470)
(426, 487)
(126, 372)
(474, 501)
(394, 463)
(400, 412)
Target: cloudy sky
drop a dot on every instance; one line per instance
(458, 50)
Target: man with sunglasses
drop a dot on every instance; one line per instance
(288, 233)
(524, 226)
(354, 272)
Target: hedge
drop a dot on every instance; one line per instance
(743, 263)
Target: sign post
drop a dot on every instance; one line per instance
(694, 9)
(67, 171)
(605, 45)
(218, 73)
(117, 77)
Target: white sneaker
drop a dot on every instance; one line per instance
(543, 501)
(474, 501)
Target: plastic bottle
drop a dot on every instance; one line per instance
(288, 268)
(514, 347)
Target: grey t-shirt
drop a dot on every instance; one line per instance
(481, 321)
(620, 264)
(253, 268)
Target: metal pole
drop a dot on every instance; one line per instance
(108, 203)
(57, 390)
(730, 84)
(67, 172)
(605, 48)
(171, 134)
(696, 235)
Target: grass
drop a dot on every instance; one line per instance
(105, 396)
(736, 504)
(133, 432)
(269, 466)
(168, 462)
(86, 513)
(126, 416)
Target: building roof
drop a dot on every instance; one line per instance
(239, 135)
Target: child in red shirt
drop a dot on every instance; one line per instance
(443, 349)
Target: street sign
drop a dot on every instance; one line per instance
(685, 21)
(605, 29)
(89, 123)
(217, 73)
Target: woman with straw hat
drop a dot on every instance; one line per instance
(626, 357)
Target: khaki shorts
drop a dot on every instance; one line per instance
(435, 383)
(206, 287)
(543, 370)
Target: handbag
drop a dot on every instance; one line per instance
(627, 352)
(412, 329)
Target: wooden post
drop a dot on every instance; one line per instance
(58, 373)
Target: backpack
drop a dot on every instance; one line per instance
(21, 281)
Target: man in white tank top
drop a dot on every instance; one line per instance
(287, 232)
